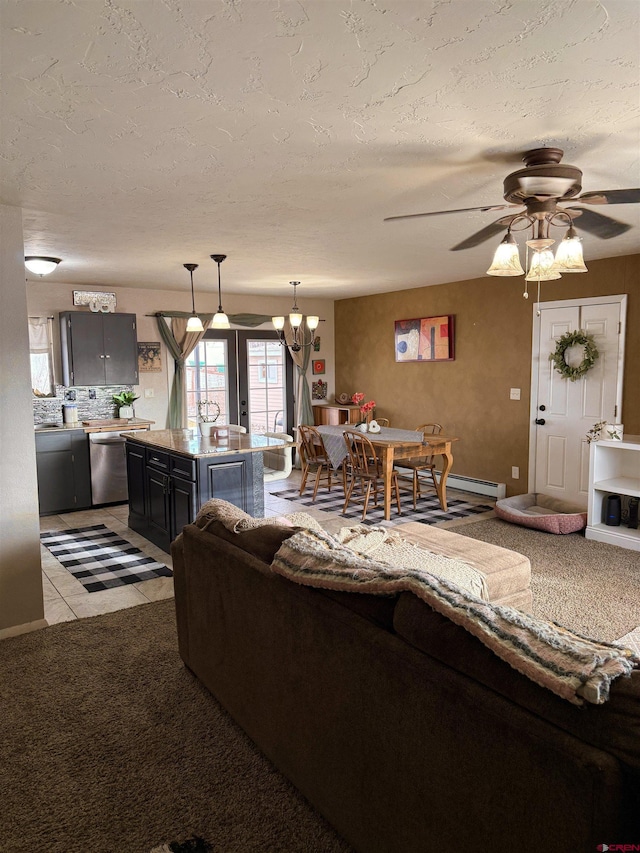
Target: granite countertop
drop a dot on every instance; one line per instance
(188, 442)
(96, 425)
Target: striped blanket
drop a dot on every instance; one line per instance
(574, 667)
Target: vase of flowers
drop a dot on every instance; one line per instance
(365, 410)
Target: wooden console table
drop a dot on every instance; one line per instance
(334, 415)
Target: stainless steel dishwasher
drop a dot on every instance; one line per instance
(108, 468)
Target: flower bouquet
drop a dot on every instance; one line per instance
(365, 408)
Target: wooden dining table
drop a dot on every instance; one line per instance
(393, 445)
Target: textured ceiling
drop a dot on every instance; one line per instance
(139, 135)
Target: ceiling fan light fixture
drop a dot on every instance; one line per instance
(506, 260)
(569, 256)
(40, 265)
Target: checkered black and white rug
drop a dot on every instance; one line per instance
(101, 559)
(428, 510)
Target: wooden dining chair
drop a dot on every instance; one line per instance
(314, 458)
(383, 422)
(420, 464)
(362, 469)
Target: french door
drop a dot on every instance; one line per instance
(248, 375)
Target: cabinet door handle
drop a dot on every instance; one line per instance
(101, 356)
(107, 356)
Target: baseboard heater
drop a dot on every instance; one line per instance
(470, 484)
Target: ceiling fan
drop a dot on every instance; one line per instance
(542, 188)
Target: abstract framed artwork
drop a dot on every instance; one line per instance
(318, 366)
(425, 339)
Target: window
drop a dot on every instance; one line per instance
(41, 353)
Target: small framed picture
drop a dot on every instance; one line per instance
(318, 366)
(425, 339)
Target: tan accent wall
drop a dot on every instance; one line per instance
(470, 395)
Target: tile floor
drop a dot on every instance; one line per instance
(66, 599)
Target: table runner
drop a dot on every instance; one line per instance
(337, 449)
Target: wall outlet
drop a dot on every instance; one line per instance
(515, 473)
(148, 392)
(514, 394)
(92, 393)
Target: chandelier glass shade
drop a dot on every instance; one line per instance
(40, 265)
(194, 323)
(220, 319)
(301, 337)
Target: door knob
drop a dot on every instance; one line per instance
(540, 421)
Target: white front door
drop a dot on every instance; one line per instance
(564, 411)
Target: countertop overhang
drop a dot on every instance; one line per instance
(190, 443)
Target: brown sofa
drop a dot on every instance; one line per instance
(400, 727)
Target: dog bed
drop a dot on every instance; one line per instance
(542, 513)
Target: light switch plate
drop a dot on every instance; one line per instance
(148, 392)
(514, 394)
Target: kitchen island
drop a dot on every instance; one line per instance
(171, 473)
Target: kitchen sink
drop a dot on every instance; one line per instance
(38, 427)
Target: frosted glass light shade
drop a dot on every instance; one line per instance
(295, 320)
(194, 324)
(506, 260)
(40, 265)
(541, 266)
(220, 321)
(569, 255)
(312, 322)
(278, 323)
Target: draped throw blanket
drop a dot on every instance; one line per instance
(574, 667)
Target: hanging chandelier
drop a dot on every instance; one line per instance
(301, 337)
(540, 262)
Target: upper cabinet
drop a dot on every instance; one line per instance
(98, 349)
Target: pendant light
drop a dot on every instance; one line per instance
(506, 260)
(220, 319)
(194, 323)
(569, 256)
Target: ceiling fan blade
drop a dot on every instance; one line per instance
(631, 196)
(596, 223)
(497, 227)
(461, 210)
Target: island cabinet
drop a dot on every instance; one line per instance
(62, 463)
(98, 349)
(166, 489)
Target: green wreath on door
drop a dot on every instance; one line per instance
(570, 339)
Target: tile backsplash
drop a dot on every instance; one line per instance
(92, 403)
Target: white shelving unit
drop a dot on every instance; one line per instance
(614, 469)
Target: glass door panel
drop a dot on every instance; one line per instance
(210, 376)
(265, 383)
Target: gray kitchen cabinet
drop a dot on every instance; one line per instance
(166, 489)
(98, 349)
(64, 479)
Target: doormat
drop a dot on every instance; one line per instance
(101, 559)
(429, 510)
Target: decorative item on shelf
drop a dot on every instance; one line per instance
(97, 300)
(220, 319)
(570, 339)
(194, 323)
(365, 409)
(342, 399)
(205, 418)
(125, 400)
(605, 431)
(41, 265)
(301, 337)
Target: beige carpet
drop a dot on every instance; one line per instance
(109, 745)
(588, 586)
